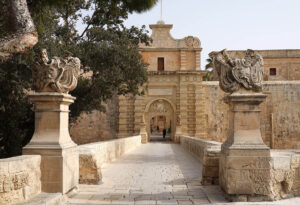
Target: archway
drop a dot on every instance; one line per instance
(159, 115)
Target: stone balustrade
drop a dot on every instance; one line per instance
(209, 153)
(19, 178)
(93, 156)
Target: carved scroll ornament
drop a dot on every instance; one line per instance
(236, 73)
(191, 41)
(55, 75)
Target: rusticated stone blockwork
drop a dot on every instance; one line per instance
(19, 178)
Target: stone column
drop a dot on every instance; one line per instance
(245, 159)
(51, 140)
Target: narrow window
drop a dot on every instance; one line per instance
(160, 64)
(272, 71)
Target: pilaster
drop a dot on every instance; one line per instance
(201, 123)
(198, 60)
(183, 60)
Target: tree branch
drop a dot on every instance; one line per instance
(24, 34)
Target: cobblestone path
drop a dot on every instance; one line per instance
(155, 173)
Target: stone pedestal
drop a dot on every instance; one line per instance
(245, 159)
(51, 140)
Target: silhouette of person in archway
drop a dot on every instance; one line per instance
(164, 133)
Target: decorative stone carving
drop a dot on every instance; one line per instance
(236, 73)
(192, 41)
(55, 75)
(160, 107)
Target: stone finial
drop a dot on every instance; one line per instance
(236, 73)
(55, 75)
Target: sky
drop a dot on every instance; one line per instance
(230, 24)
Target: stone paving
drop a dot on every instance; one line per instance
(155, 173)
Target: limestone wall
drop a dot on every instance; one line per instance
(93, 156)
(19, 178)
(280, 116)
(96, 126)
(286, 62)
(208, 152)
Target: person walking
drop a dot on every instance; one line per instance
(164, 133)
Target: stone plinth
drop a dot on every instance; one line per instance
(245, 159)
(51, 140)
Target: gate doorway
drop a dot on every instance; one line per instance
(159, 116)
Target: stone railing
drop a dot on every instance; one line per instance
(20, 178)
(93, 156)
(208, 152)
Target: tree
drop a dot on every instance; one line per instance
(107, 49)
(19, 34)
(210, 71)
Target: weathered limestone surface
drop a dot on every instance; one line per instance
(93, 156)
(286, 62)
(97, 126)
(285, 173)
(19, 178)
(209, 153)
(45, 199)
(280, 122)
(51, 140)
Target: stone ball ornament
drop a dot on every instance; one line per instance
(235, 74)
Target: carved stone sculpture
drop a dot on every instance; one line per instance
(192, 41)
(55, 75)
(236, 73)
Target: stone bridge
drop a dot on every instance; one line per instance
(154, 173)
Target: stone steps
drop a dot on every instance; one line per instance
(45, 199)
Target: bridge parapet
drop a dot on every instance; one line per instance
(93, 156)
(208, 152)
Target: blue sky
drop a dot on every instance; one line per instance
(231, 24)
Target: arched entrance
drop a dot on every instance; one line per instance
(159, 115)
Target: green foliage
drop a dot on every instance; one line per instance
(209, 70)
(111, 62)
(16, 115)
